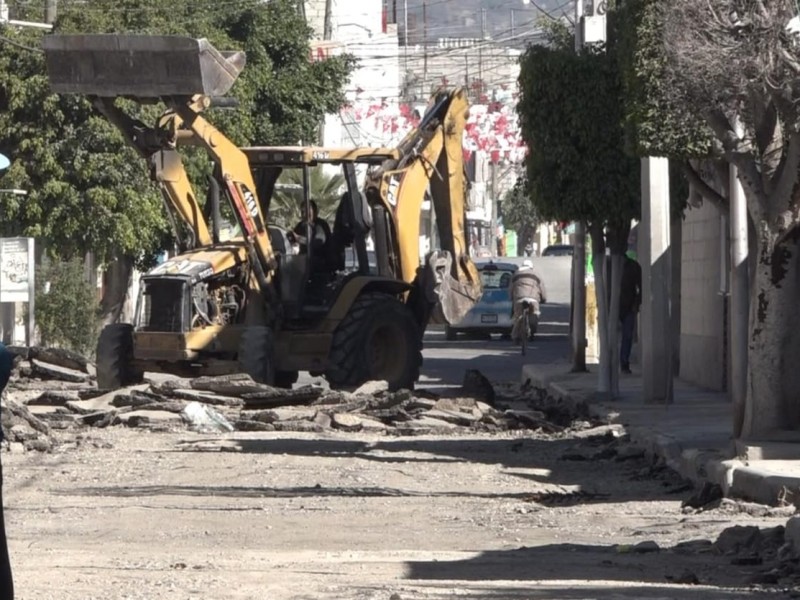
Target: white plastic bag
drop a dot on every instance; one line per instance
(204, 419)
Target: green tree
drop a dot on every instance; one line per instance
(735, 65)
(66, 307)
(87, 190)
(571, 114)
(520, 212)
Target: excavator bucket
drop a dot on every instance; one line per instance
(138, 66)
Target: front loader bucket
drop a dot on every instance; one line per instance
(140, 66)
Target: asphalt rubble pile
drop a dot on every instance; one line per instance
(54, 390)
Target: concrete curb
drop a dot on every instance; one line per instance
(762, 482)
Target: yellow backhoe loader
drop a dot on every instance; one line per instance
(251, 303)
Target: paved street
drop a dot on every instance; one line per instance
(498, 359)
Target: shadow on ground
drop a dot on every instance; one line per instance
(589, 565)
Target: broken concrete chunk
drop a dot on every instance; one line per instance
(152, 419)
(738, 538)
(103, 402)
(54, 398)
(271, 396)
(324, 420)
(333, 397)
(205, 397)
(100, 418)
(48, 371)
(454, 417)
(229, 385)
(454, 404)
(297, 425)
(476, 385)
(420, 404)
(346, 422)
(372, 388)
(60, 357)
(167, 386)
(249, 425)
(710, 492)
(286, 414)
(89, 393)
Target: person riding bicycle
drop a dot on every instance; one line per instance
(526, 288)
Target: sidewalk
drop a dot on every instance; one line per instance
(693, 434)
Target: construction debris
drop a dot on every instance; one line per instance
(56, 390)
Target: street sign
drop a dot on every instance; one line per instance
(4, 162)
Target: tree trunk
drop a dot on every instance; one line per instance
(773, 377)
(615, 282)
(600, 291)
(116, 282)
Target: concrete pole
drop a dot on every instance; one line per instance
(50, 11)
(493, 192)
(425, 90)
(327, 25)
(654, 245)
(739, 300)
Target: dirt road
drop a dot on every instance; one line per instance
(129, 514)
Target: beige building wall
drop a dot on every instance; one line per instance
(703, 348)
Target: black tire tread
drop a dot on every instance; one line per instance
(114, 357)
(346, 369)
(255, 354)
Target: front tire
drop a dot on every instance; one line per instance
(378, 339)
(115, 358)
(256, 354)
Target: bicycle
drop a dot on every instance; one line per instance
(530, 321)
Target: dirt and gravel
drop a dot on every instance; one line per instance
(487, 491)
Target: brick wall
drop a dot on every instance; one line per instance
(703, 347)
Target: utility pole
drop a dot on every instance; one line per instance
(50, 11)
(493, 191)
(405, 39)
(578, 320)
(424, 48)
(327, 28)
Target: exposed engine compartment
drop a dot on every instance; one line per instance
(187, 303)
(217, 302)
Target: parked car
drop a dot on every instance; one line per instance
(558, 250)
(492, 313)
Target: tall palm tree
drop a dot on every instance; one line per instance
(286, 207)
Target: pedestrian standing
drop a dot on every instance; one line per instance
(6, 582)
(630, 299)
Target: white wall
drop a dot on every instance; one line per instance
(703, 351)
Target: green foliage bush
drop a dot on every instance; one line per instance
(67, 313)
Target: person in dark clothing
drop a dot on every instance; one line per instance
(630, 299)
(6, 582)
(320, 232)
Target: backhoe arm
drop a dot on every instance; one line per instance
(157, 146)
(431, 159)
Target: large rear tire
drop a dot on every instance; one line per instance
(256, 354)
(378, 339)
(115, 367)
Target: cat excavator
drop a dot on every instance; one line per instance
(248, 301)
